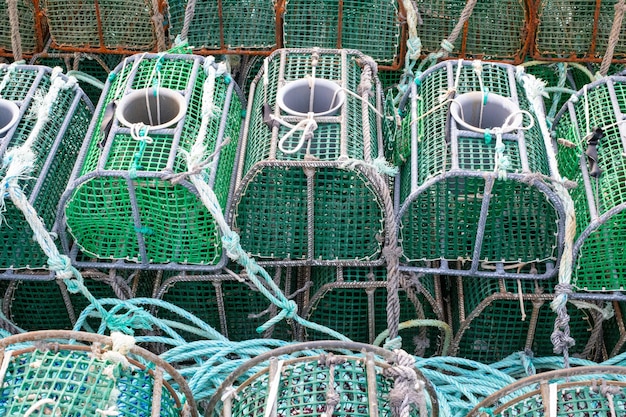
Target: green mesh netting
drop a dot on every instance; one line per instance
(55, 149)
(29, 31)
(361, 294)
(304, 386)
(226, 304)
(371, 27)
(488, 34)
(570, 29)
(574, 392)
(226, 24)
(444, 171)
(77, 383)
(96, 25)
(303, 205)
(490, 322)
(48, 297)
(122, 205)
(601, 261)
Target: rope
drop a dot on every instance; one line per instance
(190, 10)
(157, 20)
(10, 69)
(407, 389)
(616, 29)
(230, 242)
(14, 21)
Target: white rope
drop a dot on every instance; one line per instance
(7, 77)
(6, 360)
(307, 126)
(38, 404)
(273, 391)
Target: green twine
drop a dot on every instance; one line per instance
(487, 137)
(135, 166)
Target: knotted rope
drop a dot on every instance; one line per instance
(408, 390)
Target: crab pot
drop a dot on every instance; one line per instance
(595, 390)
(591, 153)
(369, 26)
(55, 145)
(113, 26)
(130, 199)
(493, 318)
(295, 380)
(576, 31)
(226, 303)
(468, 206)
(74, 373)
(305, 197)
(488, 33)
(225, 26)
(353, 300)
(31, 28)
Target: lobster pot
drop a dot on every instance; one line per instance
(225, 26)
(338, 378)
(372, 27)
(31, 28)
(353, 301)
(493, 318)
(302, 193)
(596, 390)
(130, 197)
(55, 145)
(488, 34)
(470, 203)
(112, 26)
(576, 30)
(591, 142)
(49, 373)
(227, 304)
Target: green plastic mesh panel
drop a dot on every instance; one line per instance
(389, 78)
(371, 27)
(78, 384)
(48, 297)
(29, 27)
(119, 176)
(303, 388)
(577, 29)
(601, 261)
(573, 399)
(440, 216)
(55, 150)
(100, 25)
(224, 304)
(356, 307)
(227, 24)
(488, 34)
(489, 322)
(334, 214)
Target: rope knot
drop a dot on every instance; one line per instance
(62, 266)
(231, 243)
(390, 252)
(393, 344)
(291, 309)
(407, 389)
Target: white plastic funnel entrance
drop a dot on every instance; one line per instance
(9, 113)
(156, 108)
(317, 95)
(472, 112)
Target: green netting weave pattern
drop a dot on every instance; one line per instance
(601, 261)
(302, 204)
(568, 29)
(488, 34)
(226, 24)
(489, 323)
(77, 383)
(28, 27)
(55, 147)
(371, 27)
(95, 25)
(123, 205)
(361, 294)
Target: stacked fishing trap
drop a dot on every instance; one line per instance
(441, 218)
